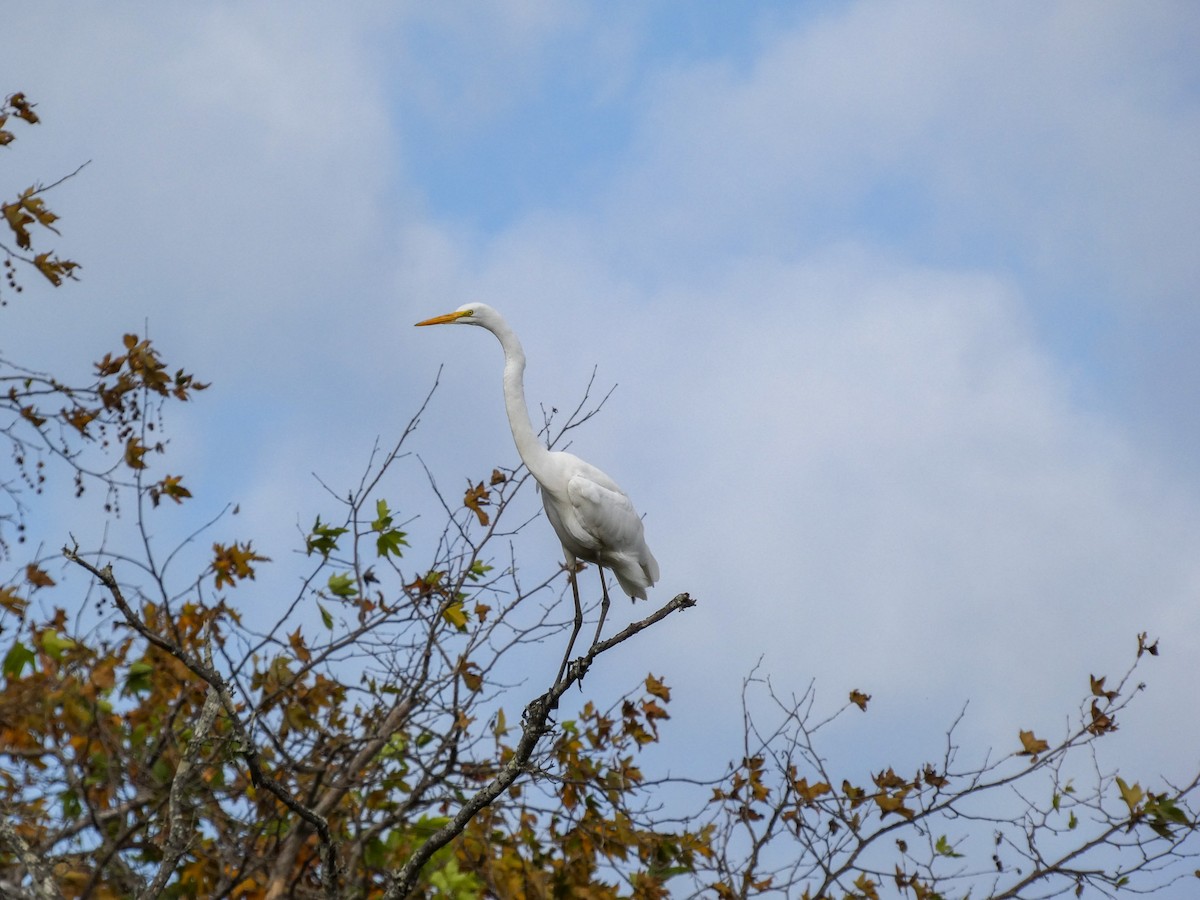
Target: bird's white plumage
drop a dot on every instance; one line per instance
(594, 519)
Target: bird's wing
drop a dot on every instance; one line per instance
(606, 515)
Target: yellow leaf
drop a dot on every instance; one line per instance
(1131, 794)
(455, 615)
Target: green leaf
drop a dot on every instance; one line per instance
(138, 679)
(478, 570)
(326, 618)
(323, 538)
(72, 809)
(389, 542)
(1132, 795)
(55, 644)
(943, 848)
(343, 585)
(16, 659)
(383, 517)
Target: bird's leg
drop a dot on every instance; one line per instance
(571, 575)
(603, 605)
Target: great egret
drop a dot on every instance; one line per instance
(594, 519)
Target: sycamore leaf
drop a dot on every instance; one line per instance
(475, 499)
(55, 269)
(234, 563)
(943, 847)
(1031, 745)
(1131, 794)
(38, 577)
(323, 538)
(656, 687)
(18, 657)
(79, 418)
(12, 601)
(866, 887)
(1144, 647)
(1098, 688)
(478, 570)
(134, 451)
(343, 585)
(470, 674)
(1102, 723)
(296, 641)
(138, 679)
(389, 542)
(933, 779)
(893, 803)
(808, 793)
(456, 615)
(55, 644)
(169, 487)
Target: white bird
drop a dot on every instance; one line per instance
(594, 519)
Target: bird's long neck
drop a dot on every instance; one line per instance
(533, 453)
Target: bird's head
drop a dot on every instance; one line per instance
(469, 314)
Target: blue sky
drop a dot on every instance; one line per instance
(900, 298)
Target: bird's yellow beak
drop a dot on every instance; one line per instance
(447, 318)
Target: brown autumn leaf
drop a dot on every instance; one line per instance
(169, 487)
(55, 269)
(498, 477)
(932, 778)
(471, 675)
(1031, 745)
(79, 418)
(657, 688)
(893, 803)
(12, 601)
(38, 576)
(1101, 723)
(889, 780)
(1098, 688)
(475, 499)
(134, 451)
(296, 640)
(1144, 647)
(859, 699)
(233, 563)
(808, 793)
